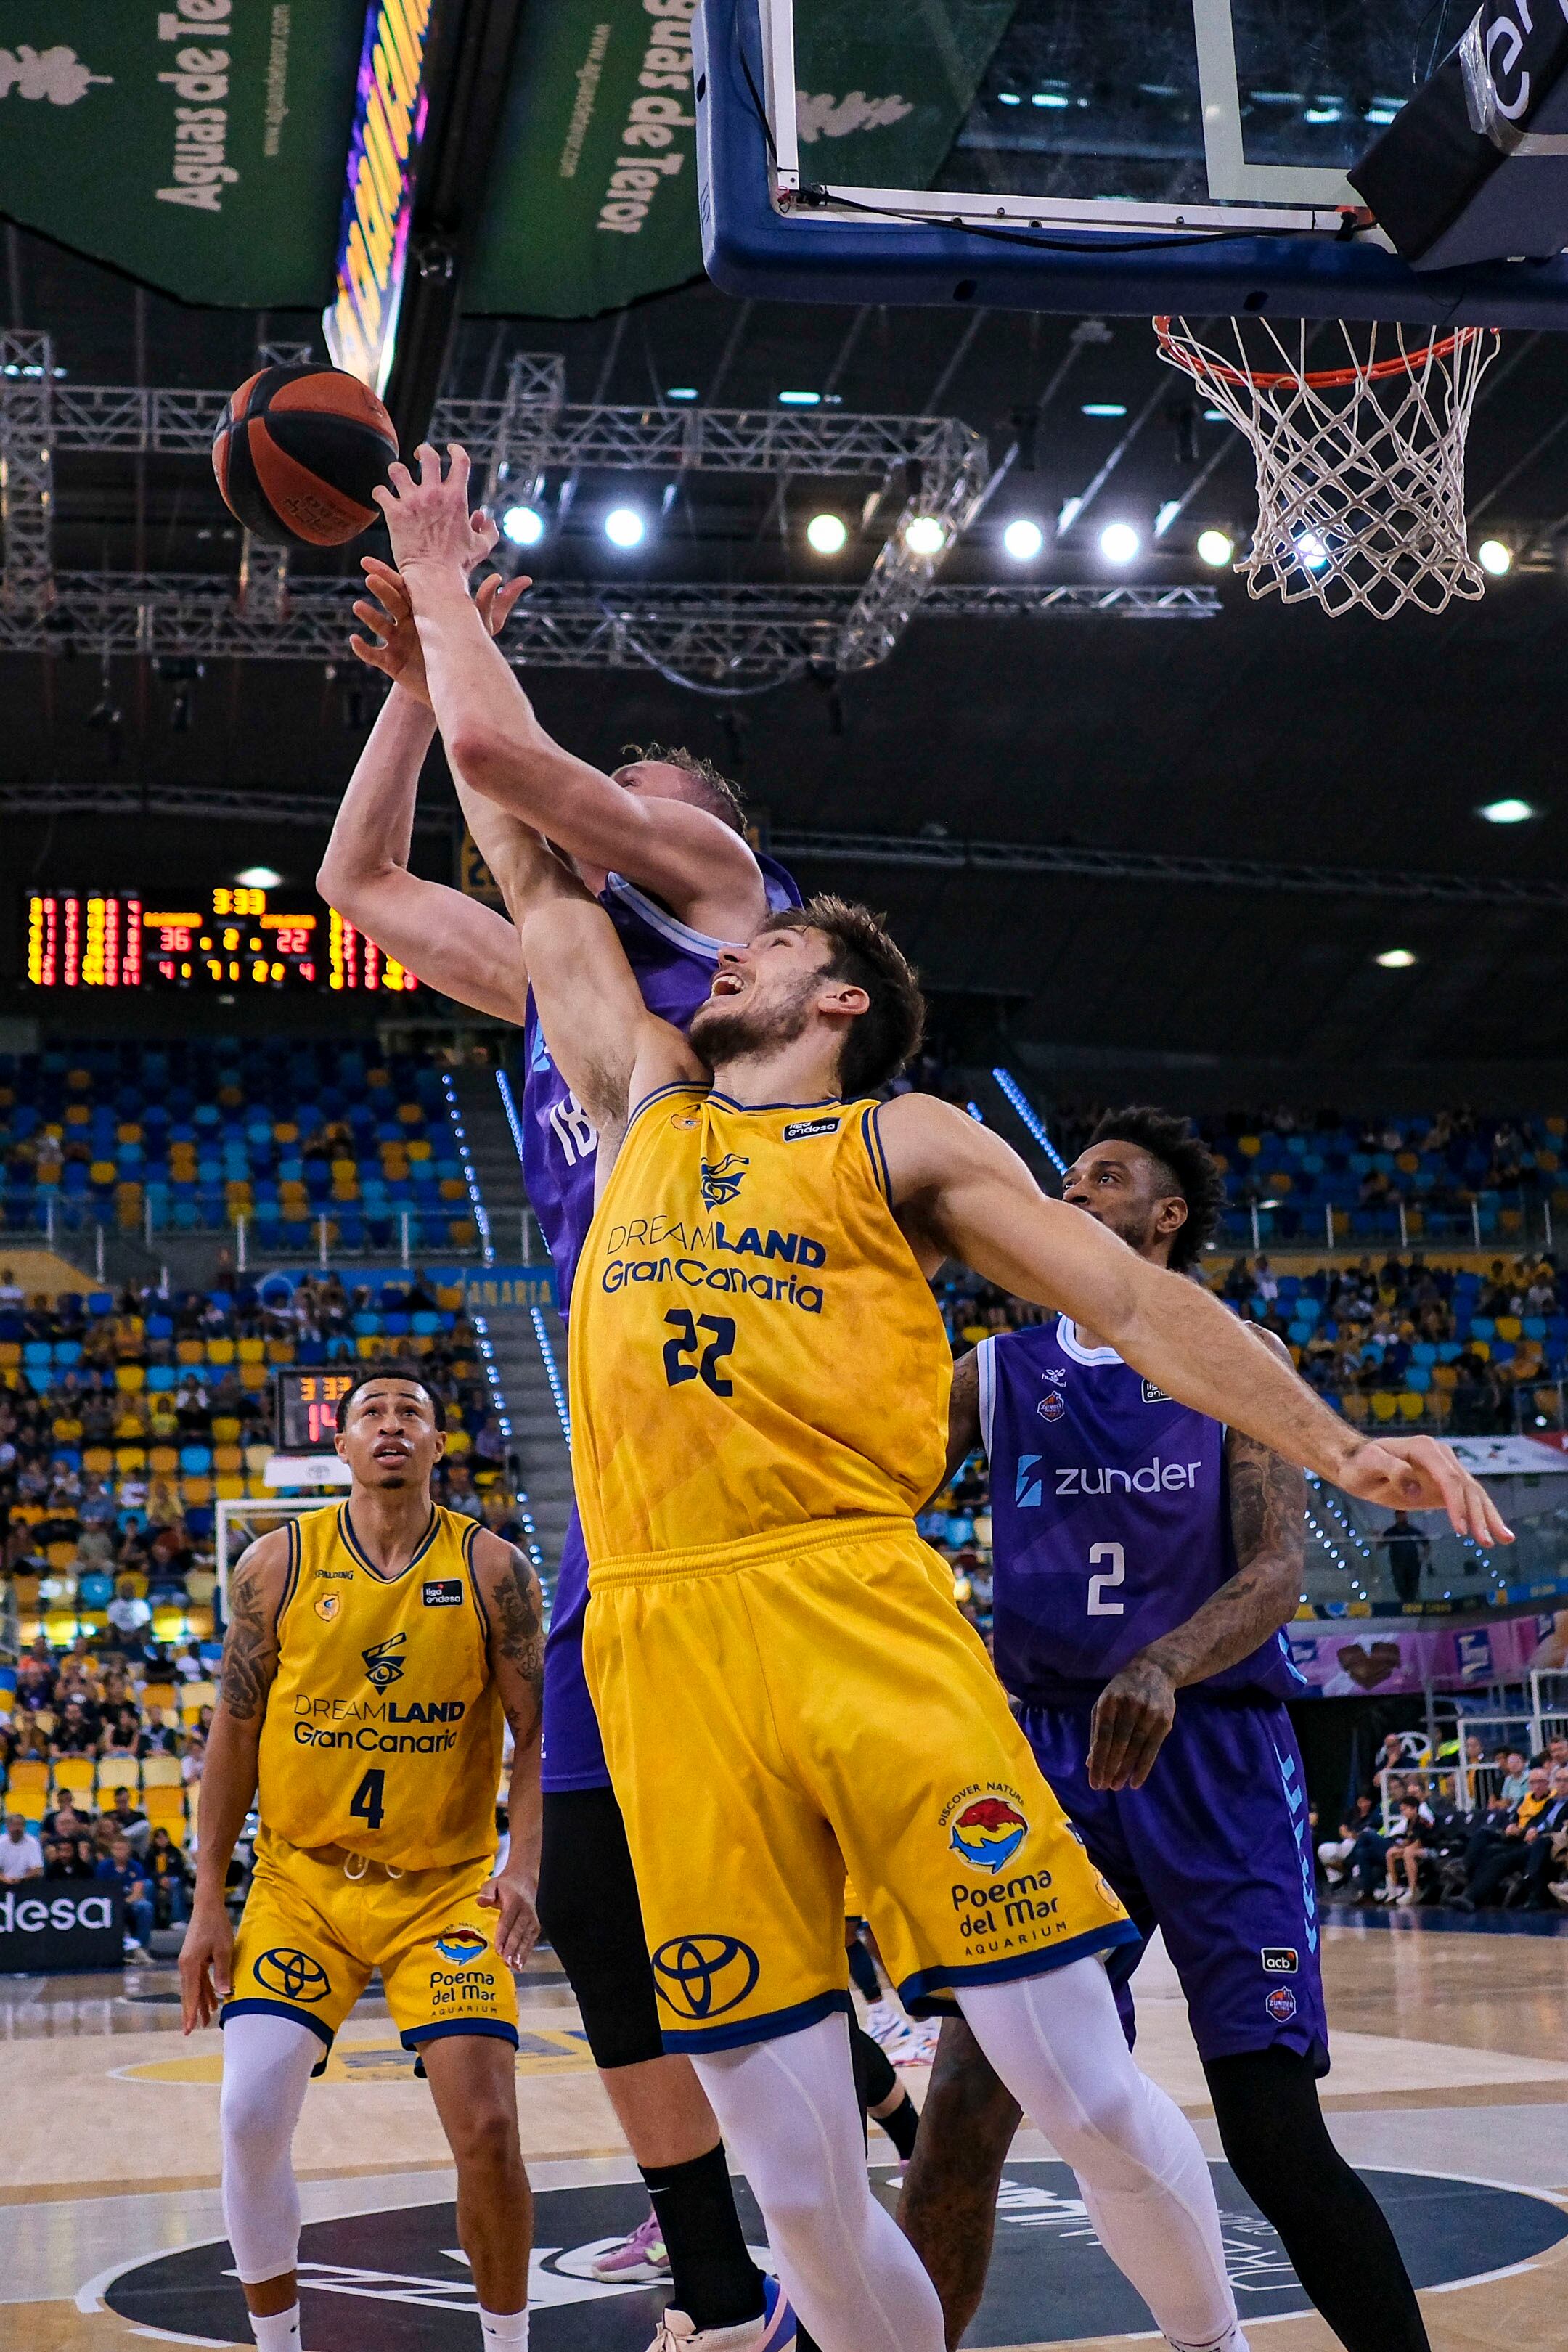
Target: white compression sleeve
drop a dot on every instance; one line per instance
(267, 2062)
(1057, 2041)
(788, 2111)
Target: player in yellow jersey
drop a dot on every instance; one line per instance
(759, 1381)
(373, 1650)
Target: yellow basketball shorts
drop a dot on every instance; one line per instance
(311, 1934)
(776, 1711)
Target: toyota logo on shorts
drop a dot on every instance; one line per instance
(293, 1974)
(702, 1976)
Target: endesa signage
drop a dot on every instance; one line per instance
(50, 1926)
(390, 107)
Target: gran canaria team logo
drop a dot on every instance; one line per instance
(328, 1605)
(723, 1178)
(461, 1945)
(382, 1666)
(989, 1832)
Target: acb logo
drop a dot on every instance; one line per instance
(295, 1975)
(698, 1976)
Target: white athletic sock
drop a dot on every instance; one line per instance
(1057, 2041)
(790, 2118)
(279, 2334)
(504, 2331)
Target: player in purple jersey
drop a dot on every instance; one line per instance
(660, 842)
(1144, 1562)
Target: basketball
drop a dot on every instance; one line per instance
(298, 452)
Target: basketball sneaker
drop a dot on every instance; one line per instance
(893, 2033)
(773, 2332)
(639, 2261)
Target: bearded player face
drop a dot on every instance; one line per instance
(764, 996)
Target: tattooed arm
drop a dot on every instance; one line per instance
(228, 1774)
(1267, 1523)
(963, 1431)
(511, 1596)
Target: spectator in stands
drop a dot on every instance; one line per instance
(123, 1736)
(130, 1616)
(1546, 1842)
(1406, 1848)
(21, 1856)
(76, 1733)
(62, 1859)
(194, 1757)
(1407, 1548)
(1516, 1777)
(157, 1737)
(170, 1879)
(1498, 1853)
(128, 1822)
(120, 1870)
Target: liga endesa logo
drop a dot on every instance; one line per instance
(989, 1832)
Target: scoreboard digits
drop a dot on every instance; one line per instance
(308, 1408)
(115, 939)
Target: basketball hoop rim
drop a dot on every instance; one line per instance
(1211, 368)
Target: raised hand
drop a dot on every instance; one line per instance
(428, 517)
(392, 647)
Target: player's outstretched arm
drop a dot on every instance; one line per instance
(446, 940)
(700, 866)
(1268, 1533)
(516, 1611)
(961, 1192)
(228, 1774)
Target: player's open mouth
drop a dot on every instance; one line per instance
(726, 983)
(391, 1449)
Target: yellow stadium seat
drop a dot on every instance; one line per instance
(165, 1800)
(130, 1378)
(203, 1624)
(1508, 1327)
(1481, 1348)
(254, 1377)
(201, 1584)
(29, 1777)
(117, 1773)
(1355, 1408)
(1410, 1404)
(226, 1429)
(10, 1352)
(28, 1589)
(258, 1455)
(193, 1696)
(164, 1695)
(1384, 1405)
(220, 1351)
(227, 1458)
(97, 1460)
(161, 1772)
(129, 1458)
(61, 1554)
(279, 1351)
(190, 1351)
(168, 1625)
(229, 1485)
(252, 1351)
(195, 1490)
(163, 1460)
(60, 1629)
(75, 1773)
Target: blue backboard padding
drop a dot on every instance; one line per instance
(748, 248)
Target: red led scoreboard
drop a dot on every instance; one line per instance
(125, 938)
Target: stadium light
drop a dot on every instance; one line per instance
(1493, 556)
(925, 535)
(1216, 549)
(624, 527)
(258, 878)
(1507, 812)
(524, 525)
(1023, 540)
(827, 533)
(1119, 542)
(1396, 959)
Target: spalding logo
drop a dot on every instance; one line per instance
(989, 1832)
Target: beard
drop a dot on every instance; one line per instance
(732, 1029)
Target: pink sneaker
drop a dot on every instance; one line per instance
(639, 2261)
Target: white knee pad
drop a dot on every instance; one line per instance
(266, 2063)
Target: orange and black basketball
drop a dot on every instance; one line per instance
(298, 452)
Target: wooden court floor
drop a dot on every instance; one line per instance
(1449, 2088)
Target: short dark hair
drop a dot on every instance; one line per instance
(1186, 1166)
(724, 798)
(879, 1043)
(409, 1372)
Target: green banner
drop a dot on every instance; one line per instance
(594, 200)
(198, 145)
(593, 197)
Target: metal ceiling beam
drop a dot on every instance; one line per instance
(716, 633)
(1152, 865)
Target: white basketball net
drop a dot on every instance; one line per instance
(1361, 460)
